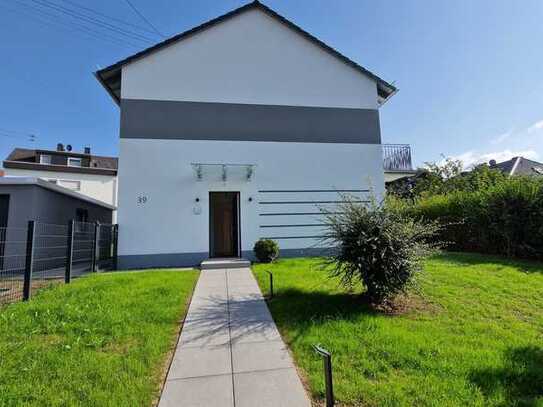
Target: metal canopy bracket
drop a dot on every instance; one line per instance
(198, 171)
(226, 170)
(250, 172)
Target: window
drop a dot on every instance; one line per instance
(73, 185)
(74, 162)
(81, 215)
(45, 159)
(52, 181)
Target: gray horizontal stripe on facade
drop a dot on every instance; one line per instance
(160, 119)
(301, 252)
(294, 226)
(293, 237)
(304, 202)
(296, 213)
(310, 190)
(144, 261)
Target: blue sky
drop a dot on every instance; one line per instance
(469, 72)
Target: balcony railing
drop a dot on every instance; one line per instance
(397, 157)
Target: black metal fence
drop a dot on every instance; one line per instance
(43, 254)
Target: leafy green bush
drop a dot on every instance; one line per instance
(380, 247)
(504, 218)
(266, 250)
(445, 178)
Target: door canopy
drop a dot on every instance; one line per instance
(224, 171)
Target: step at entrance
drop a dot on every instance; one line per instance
(226, 263)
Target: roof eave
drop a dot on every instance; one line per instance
(25, 165)
(110, 91)
(391, 91)
(53, 187)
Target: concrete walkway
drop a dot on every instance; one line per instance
(230, 352)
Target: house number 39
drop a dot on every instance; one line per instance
(142, 200)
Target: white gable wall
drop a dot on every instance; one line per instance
(251, 58)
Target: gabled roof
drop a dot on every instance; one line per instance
(520, 166)
(110, 77)
(24, 158)
(21, 154)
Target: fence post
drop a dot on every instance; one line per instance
(69, 252)
(115, 245)
(29, 265)
(95, 248)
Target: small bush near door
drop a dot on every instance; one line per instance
(266, 250)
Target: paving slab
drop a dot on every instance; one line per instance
(253, 331)
(230, 352)
(205, 333)
(208, 391)
(254, 311)
(245, 294)
(201, 361)
(254, 356)
(269, 388)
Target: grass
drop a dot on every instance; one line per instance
(472, 337)
(103, 340)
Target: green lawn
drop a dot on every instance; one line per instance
(473, 337)
(101, 341)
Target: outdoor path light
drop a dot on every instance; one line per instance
(327, 364)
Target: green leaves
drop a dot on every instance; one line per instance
(378, 247)
(505, 218)
(266, 250)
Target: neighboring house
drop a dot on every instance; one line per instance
(240, 129)
(519, 166)
(26, 198)
(23, 199)
(91, 175)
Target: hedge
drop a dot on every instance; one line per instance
(506, 218)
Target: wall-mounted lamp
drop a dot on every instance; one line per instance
(197, 199)
(250, 199)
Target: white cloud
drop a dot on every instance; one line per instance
(536, 127)
(502, 137)
(472, 158)
(526, 132)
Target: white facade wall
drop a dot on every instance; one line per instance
(100, 187)
(249, 59)
(160, 171)
(253, 59)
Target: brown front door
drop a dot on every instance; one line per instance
(224, 224)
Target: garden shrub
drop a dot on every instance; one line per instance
(266, 250)
(505, 218)
(379, 247)
(444, 178)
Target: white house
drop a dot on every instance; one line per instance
(239, 129)
(90, 175)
